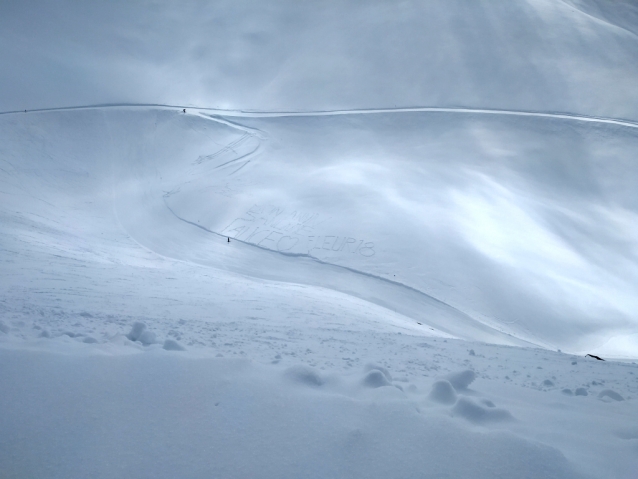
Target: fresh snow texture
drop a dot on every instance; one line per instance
(319, 341)
(73, 413)
(321, 240)
(493, 227)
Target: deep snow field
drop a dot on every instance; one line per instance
(320, 281)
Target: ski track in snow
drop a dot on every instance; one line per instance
(438, 404)
(248, 132)
(261, 137)
(220, 113)
(387, 281)
(221, 116)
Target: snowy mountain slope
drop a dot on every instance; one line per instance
(542, 55)
(358, 261)
(490, 227)
(67, 259)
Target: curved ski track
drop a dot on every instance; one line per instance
(220, 116)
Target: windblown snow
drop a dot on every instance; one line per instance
(320, 282)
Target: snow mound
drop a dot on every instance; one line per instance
(140, 333)
(304, 375)
(371, 366)
(443, 392)
(461, 380)
(375, 379)
(474, 412)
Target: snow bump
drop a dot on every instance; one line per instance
(172, 345)
(461, 380)
(140, 333)
(304, 375)
(443, 392)
(476, 413)
(375, 379)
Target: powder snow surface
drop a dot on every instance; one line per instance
(406, 286)
(137, 340)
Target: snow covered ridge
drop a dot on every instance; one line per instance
(579, 56)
